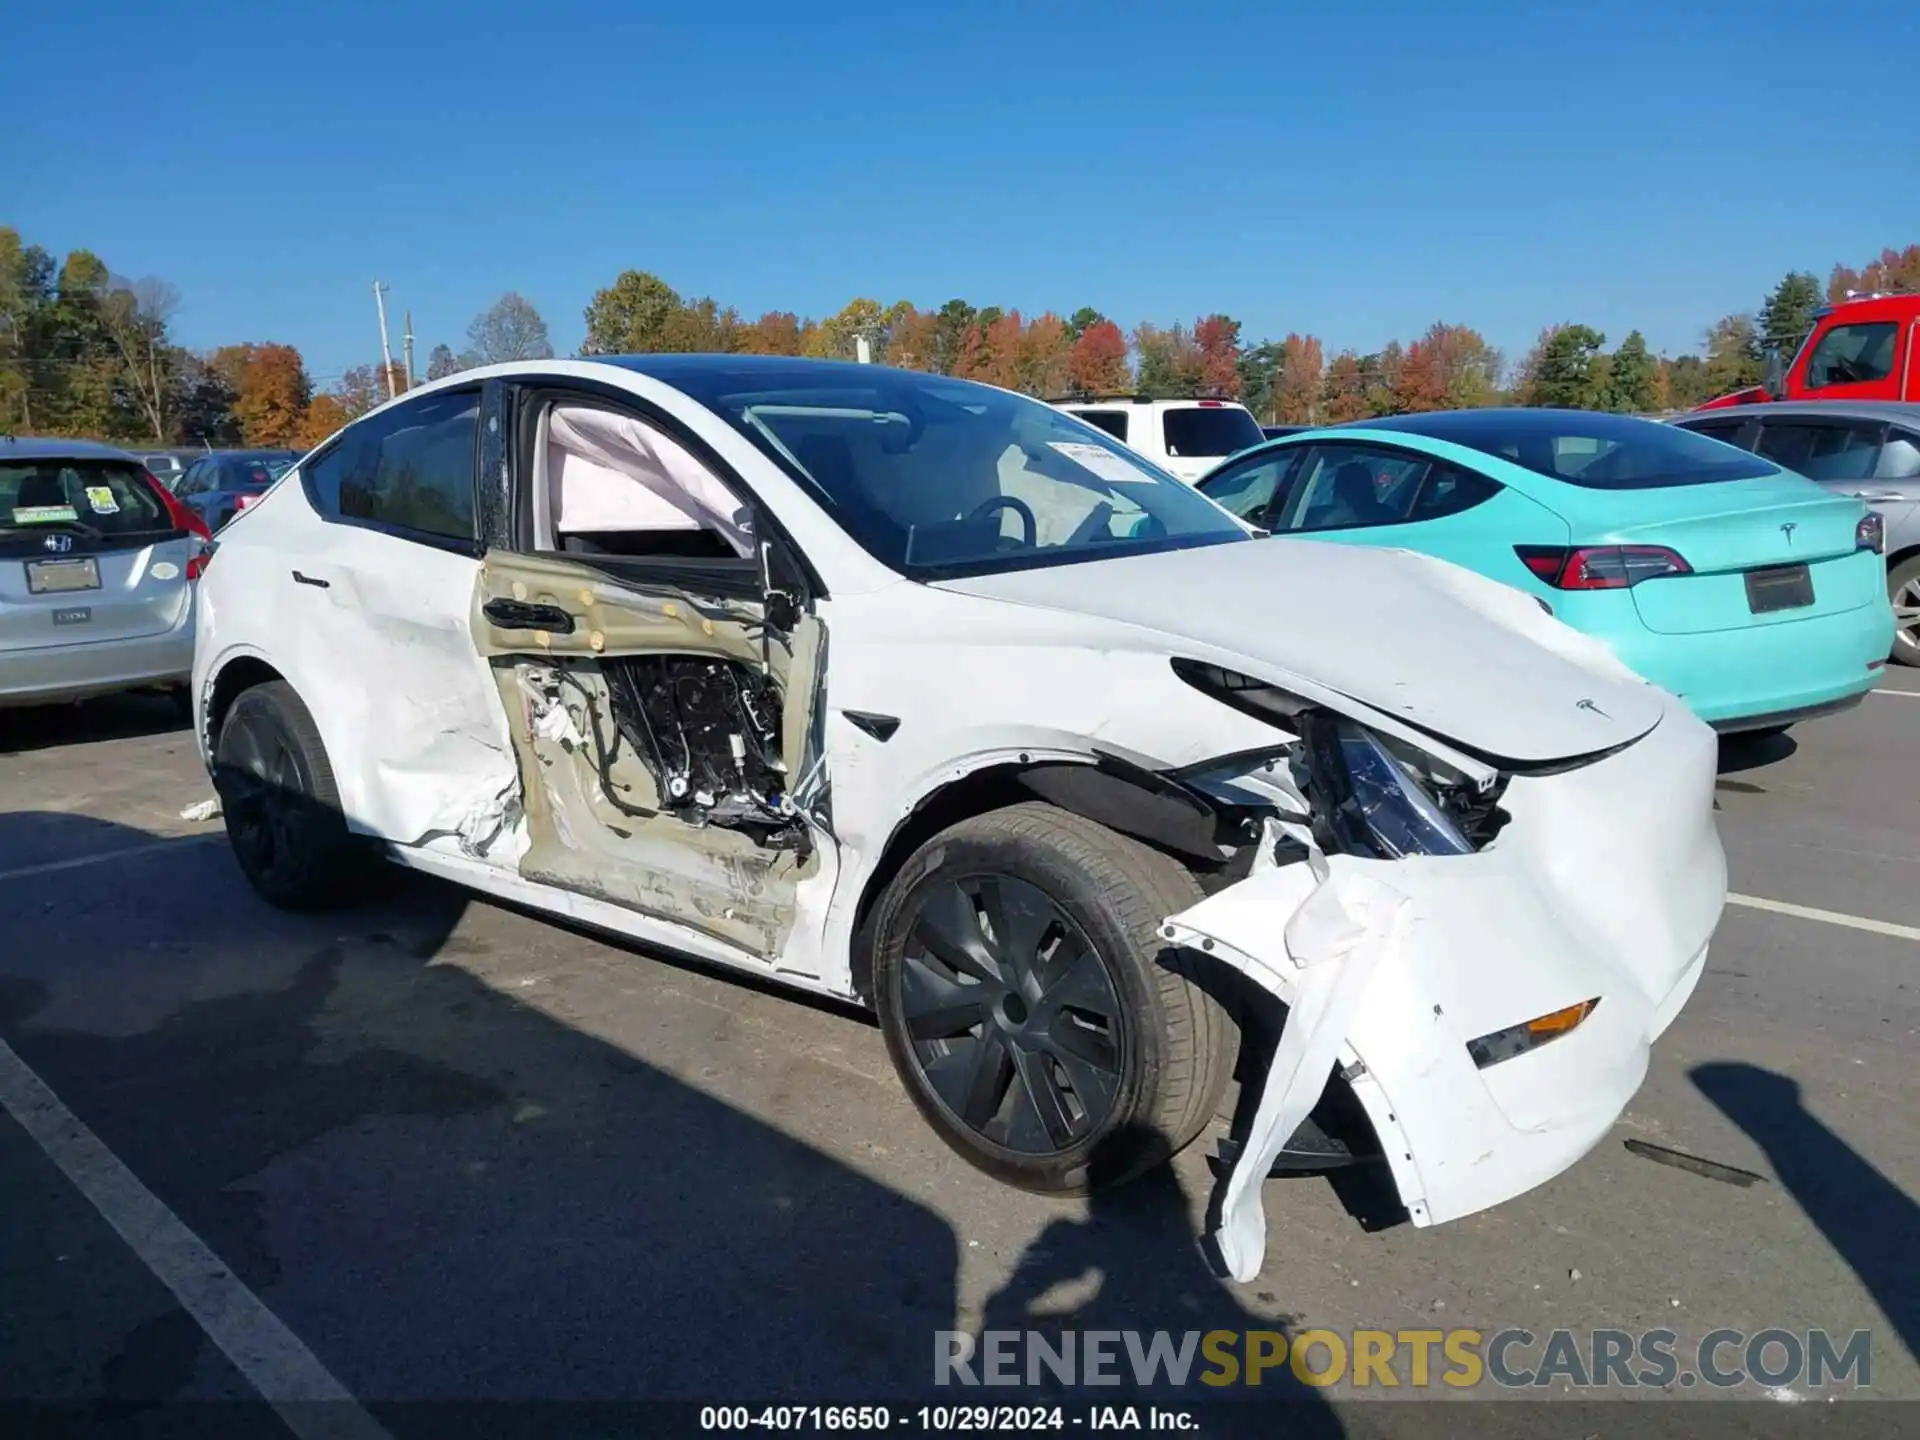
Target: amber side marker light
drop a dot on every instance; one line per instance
(1529, 1034)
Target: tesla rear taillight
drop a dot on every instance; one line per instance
(243, 500)
(1871, 533)
(1600, 567)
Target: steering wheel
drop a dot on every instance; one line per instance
(1019, 507)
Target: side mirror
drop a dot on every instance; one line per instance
(1775, 383)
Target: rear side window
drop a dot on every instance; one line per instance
(408, 468)
(1727, 432)
(1853, 355)
(1822, 450)
(1591, 449)
(1114, 422)
(1449, 490)
(1208, 432)
(1900, 456)
(106, 497)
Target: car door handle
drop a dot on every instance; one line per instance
(1880, 495)
(313, 580)
(522, 615)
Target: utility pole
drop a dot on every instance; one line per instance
(386, 350)
(409, 349)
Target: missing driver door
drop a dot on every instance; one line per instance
(665, 712)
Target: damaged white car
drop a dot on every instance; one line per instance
(906, 690)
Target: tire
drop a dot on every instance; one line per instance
(1903, 589)
(281, 805)
(1121, 1091)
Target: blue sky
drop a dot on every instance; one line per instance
(1356, 171)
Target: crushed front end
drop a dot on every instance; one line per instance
(1485, 952)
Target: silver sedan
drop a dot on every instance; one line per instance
(97, 564)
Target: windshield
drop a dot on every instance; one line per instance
(938, 477)
(1593, 450)
(1206, 431)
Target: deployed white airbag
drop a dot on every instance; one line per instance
(610, 472)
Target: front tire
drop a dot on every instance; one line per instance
(1034, 1014)
(281, 805)
(1903, 589)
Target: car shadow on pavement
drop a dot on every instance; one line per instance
(1750, 752)
(1132, 1267)
(112, 717)
(480, 1217)
(1870, 1222)
(448, 1194)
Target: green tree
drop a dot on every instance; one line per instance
(951, 324)
(1786, 315)
(632, 316)
(1081, 321)
(1633, 377)
(1169, 365)
(1563, 373)
(1687, 382)
(1259, 367)
(1733, 355)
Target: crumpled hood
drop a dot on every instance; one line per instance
(1439, 646)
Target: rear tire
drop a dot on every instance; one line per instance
(281, 805)
(1070, 1048)
(1903, 589)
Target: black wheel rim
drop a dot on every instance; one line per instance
(1011, 1016)
(262, 794)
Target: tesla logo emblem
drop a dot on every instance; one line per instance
(1589, 705)
(58, 544)
(1787, 530)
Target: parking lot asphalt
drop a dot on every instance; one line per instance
(459, 1153)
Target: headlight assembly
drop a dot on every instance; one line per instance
(1368, 798)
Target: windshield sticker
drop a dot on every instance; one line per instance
(1102, 462)
(100, 497)
(45, 515)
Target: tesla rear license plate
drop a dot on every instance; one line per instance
(1783, 587)
(47, 577)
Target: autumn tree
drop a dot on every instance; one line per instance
(1633, 377)
(1895, 271)
(325, 414)
(1041, 367)
(1381, 371)
(1450, 367)
(778, 332)
(1344, 391)
(913, 338)
(508, 329)
(991, 351)
(1169, 361)
(631, 316)
(701, 327)
(1786, 315)
(1216, 338)
(272, 395)
(1296, 396)
(441, 363)
(1097, 360)
(838, 335)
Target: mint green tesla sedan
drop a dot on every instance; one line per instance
(1752, 593)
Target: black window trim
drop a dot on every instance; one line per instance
(1746, 430)
(473, 549)
(530, 393)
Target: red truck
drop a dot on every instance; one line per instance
(1860, 349)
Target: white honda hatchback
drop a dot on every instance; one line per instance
(905, 690)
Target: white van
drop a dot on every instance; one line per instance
(1185, 437)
